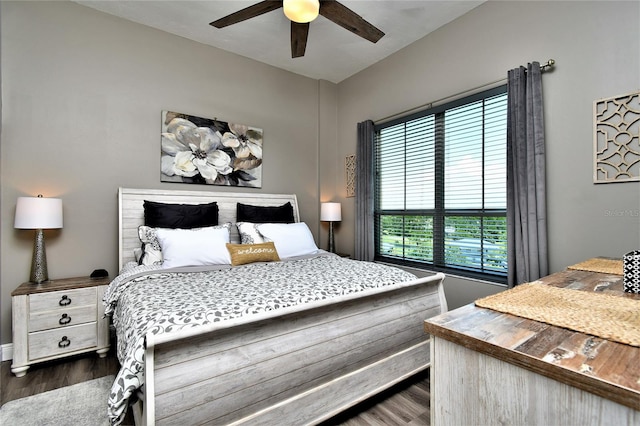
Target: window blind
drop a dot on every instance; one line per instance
(441, 186)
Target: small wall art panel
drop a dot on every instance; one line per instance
(350, 171)
(209, 151)
(616, 139)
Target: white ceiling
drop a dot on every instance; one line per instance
(332, 54)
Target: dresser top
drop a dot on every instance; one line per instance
(600, 366)
(58, 285)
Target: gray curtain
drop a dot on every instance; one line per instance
(364, 244)
(526, 189)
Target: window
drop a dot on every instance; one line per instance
(440, 197)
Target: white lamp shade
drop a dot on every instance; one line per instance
(330, 212)
(38, 213)
(301, 11)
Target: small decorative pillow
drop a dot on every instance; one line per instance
(248, 253)
(137, 253)
(151, 250)
(193, 247)
(249, 233)
(291, 239)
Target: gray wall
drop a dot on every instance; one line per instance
(83, 92)
(596, 46)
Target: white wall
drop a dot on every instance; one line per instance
(596, 46)
(83, 92)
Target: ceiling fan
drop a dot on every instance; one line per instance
(301, 13)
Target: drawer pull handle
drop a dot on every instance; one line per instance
(64, 301)
(64, 342)
(64, 319)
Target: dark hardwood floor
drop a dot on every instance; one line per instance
(407, 403)
(55, 374)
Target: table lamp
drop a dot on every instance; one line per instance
(38, 213)
(331, 212)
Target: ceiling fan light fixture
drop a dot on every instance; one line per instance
(301, 11)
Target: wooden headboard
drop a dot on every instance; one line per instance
(131, 211)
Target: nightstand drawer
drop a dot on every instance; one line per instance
(68, 317)
(54, 342)
(58, 300)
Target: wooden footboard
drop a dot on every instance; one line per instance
(299, 366)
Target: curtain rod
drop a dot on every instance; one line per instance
(543, 67)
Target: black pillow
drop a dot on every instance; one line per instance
(265, 214)
(184, 216)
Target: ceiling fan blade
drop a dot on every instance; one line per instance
(299, 34)
(248, 13)
(348, 19)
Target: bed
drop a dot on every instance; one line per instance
(299, 360)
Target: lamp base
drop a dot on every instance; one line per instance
(332, 246)
(39, 272)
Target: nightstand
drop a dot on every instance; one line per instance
(56, 319)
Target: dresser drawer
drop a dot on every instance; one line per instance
(60, 300)
(59, 341)
(68, 317)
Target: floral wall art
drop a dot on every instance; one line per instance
(209, 151)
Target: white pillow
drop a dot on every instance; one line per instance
(290, 239)
(151, 249)
(193, 247)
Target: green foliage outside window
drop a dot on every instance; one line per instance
(469, 241)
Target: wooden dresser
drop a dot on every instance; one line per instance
(58, 318)
(493, 368)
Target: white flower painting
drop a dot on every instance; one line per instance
(209, 151)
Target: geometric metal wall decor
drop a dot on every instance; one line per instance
(350, 168)
(616, 139)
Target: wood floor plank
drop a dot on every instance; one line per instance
(407, 403)
(422, 420)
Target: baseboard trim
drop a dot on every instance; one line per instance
(6, 352)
